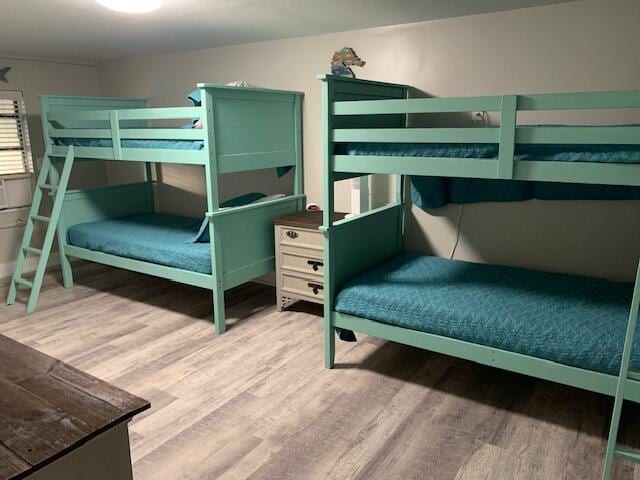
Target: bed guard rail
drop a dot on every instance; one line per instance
(126, 124)
(506, 135)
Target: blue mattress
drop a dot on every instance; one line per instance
(106, 143)
(151, 144)
(541, 152)
(151, 237)
(576, 321)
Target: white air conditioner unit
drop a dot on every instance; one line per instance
(15, 192)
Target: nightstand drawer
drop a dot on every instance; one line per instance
(302, 262)
(300, 237)
(311, 288)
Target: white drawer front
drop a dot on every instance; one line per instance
(300, 237)
(310, 288)
(301, 262)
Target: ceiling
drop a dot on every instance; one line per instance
(82, 29)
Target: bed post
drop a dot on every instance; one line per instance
(327, 224)
(298, 182)
(213, 205)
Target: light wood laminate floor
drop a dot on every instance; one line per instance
(255, 403)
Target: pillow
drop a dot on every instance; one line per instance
(195, 98)
(203, 233)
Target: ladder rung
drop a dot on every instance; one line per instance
(627, 454)
(40, 218)
(35, 251)
(46, 186)
(23, 282)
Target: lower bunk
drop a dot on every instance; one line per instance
(564, 328)
(118, 226)
(156, 238)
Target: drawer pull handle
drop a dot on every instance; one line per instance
(315, 264)
(292, 234)
(315, 287)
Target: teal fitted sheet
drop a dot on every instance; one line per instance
(572, 320)
(148, 144)
(159, 144)
(436, 192)
(151, 237)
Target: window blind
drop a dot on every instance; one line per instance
(15, 149)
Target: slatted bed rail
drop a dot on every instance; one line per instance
(242, 129)
(109, 133)
(506, 136)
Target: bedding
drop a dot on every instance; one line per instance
(171, 240)
(203, 232)
(151, 237)
(435, 192)
(576, 321)
(106, 143)
(523, 151)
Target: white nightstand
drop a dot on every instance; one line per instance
(299, 258)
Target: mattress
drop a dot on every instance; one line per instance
(150, 237)
(150, 144)
(541, 152)
(159, 144)
(572, 320)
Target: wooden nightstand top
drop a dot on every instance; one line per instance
(305, 219)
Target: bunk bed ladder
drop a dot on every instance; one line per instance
(614, 450)
(57, 187)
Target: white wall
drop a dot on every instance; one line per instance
(33, 78)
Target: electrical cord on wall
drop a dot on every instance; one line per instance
(457, 239)
(479, 119)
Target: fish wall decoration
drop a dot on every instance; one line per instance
(3, 74)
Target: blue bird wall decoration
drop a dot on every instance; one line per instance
(3, 74)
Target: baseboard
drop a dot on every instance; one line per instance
(7, 269)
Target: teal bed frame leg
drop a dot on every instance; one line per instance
(219, 308)
(219, 316)
(65, 264)
(329, 342)
(612, 447)
(213, 205)
(327, 224)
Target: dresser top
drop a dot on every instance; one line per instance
(49, 408)
(305, 219)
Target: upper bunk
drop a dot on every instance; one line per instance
(231, 129)
(367, 132)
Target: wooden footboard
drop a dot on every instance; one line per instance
(244, 237)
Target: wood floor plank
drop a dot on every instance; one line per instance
(490, 462)
(257, 403)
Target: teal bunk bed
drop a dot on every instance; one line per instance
(242, 129)
(573, 330)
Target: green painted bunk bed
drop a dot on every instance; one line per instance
(573, 330)
(243, 129)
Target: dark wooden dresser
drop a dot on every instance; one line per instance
(57, 422)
